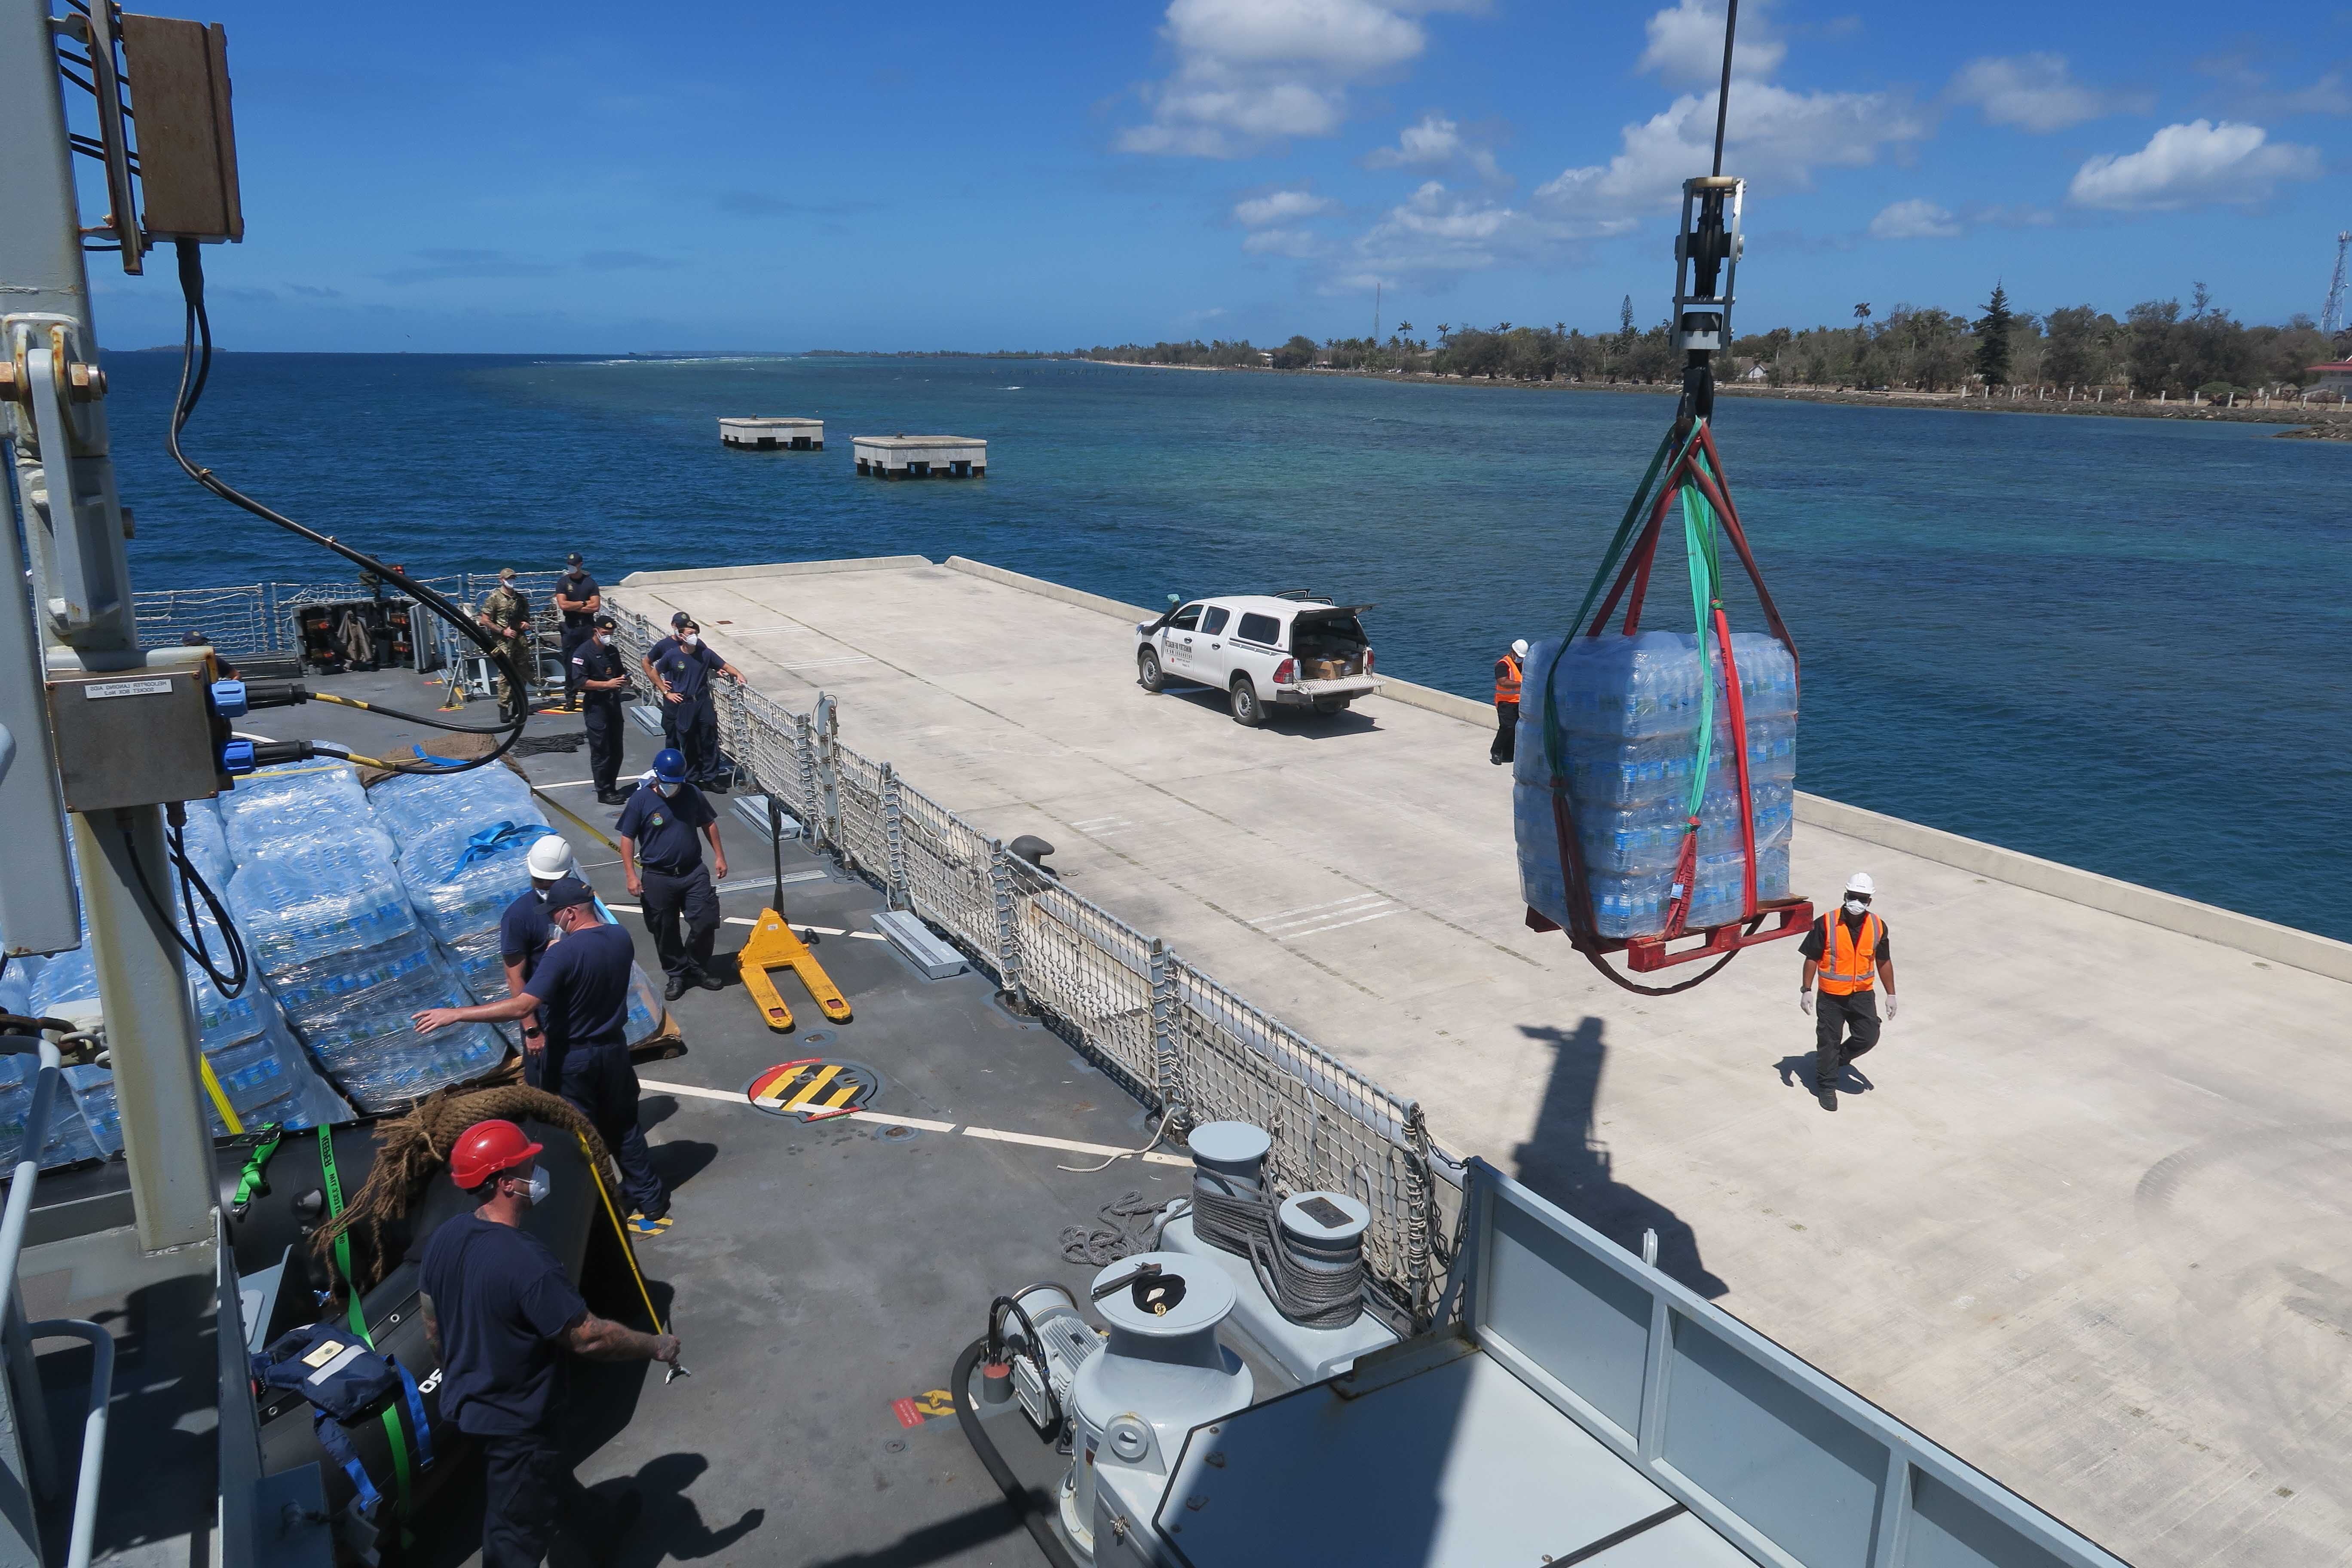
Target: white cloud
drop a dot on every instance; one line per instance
(1251, 72)
(1686, 44)
(1436, 231)
(1276, 207)
(1298, 244)
(1914, 219)
(2195, 164)
(1776, 137)
(2034, 92)
(1437, 143)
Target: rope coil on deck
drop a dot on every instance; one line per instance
(411, 1150)
(1228, 1218)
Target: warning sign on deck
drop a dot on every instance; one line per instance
(813, 1088)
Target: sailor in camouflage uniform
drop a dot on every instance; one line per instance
(506, 611)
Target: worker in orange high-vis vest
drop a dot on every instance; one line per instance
(1509, 673)
(1846, 952)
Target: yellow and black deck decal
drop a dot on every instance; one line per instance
(813, 1088)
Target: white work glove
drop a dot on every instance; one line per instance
(1805, 1001)
(1890, 1006)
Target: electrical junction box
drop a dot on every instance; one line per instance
(134, 737)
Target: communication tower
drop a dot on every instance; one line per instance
(2331, 318)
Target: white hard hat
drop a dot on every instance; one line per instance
(1860, 882)
(1520, 647)
(549, 858)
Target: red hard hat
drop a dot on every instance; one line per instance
(486, 1148)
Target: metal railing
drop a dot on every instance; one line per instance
(21, 1388)
(1792, 1466)
(1191, 1050)
(256, 618)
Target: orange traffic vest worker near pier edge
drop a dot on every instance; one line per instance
(1510, 673)
(1848, 954)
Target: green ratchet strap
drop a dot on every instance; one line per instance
(250, 1181)
(1699, 542)
(391, 1426)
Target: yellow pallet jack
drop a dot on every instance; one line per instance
(773, 944)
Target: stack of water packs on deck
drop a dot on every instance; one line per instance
(1628, 709)
(319, 900)
(464, 840)
(69, 1137)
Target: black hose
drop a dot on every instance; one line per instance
(1024, 1499)
(195, 371)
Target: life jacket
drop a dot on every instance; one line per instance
(1507, 679)
(1848, 960)
(345, 1381)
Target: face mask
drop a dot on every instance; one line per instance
(690, 639)
(539, 1185)
(1857, 906)
(666, 790)
(603, 640)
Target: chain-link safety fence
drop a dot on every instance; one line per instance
(1191, 1049)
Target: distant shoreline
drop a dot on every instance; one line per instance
(2315, 424)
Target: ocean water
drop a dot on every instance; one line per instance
(2117, 643)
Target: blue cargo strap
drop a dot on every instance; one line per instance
(337, 1445)
(505, 835)
(423, 1428)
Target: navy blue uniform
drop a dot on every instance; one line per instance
(583, 985)
(523, 932)
(503, 1306)
(578, 625)
(691, 723)
(602, 711)
(678, 887)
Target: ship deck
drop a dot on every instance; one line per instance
(2082, 1221)
(818, 1275)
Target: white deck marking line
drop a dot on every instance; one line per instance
(1275, 928)
(748, 921)
(1295, 935)
(693, 1089)
(567, 783)
(1066, 1145)
(1309, 908)
(988, 1134)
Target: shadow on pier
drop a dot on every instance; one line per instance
(1564, 1161)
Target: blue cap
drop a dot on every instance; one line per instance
(670, 766)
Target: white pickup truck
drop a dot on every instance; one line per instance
(1286, 651)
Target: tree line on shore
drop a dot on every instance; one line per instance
(2158, 346)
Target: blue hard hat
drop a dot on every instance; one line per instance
(670, 766)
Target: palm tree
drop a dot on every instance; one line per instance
(1862, 311)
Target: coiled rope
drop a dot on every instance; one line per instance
(412, 1150)
(1234, 1221)
(1130, 1224)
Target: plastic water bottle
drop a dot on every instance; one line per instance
(68, 1139)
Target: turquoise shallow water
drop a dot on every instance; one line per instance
(2116, 643)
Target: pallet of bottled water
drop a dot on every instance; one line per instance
(262, 1071)
(329, 921)
(1628, 712)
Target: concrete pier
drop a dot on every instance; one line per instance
(921, 457)
(2087, 1226)
(772, 435)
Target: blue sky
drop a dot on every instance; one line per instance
(587, 179)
